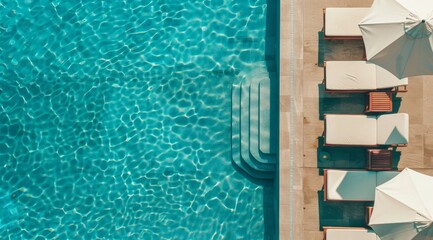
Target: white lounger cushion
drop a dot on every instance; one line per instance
(350, 129)
(344, 21)
(359, 75)
(393, 129)
(353, 185)
(350, 75)
(385, 129)
(350, 234)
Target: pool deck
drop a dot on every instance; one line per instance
(299, 200)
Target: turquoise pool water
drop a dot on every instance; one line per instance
(115, 119)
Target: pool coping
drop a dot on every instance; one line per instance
(291, 120)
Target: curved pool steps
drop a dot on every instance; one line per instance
(245, 165)
(246, 130)
(245, 134)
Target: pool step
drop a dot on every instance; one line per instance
(244, 165)
(268, 96)
(258, 128)
(251, 126)
(245, 132)
(243, 161)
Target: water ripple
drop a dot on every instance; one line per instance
(115, 119)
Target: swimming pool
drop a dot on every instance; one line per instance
(115, 119)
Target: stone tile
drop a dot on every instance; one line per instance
(413, 155)
(285, 30)
(298, 46)
(284, 140)
(311, 221)
(313, 235)
(284, 218)
(313, 14)
(311, 112)
(354, 3)
(298, 81)
(312, 33)
(427, 107)
(427, 86)
(284, 232)
(415, 113)
(310, 90)
(285, 10)
(285, 103)
(284, 121)
(311, 59)
(428, 151)
(297, 177)
(284, 85)
(284, 65)
(310, 154)
(312, 184)
(335, 3)
(313, 128)
(285, 166)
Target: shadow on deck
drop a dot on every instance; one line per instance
(346, 157)
(347, 103)
(341, 214)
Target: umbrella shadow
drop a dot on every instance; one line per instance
(341, 214)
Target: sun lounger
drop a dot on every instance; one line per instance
(342, 23)
(366, 130)
(353, 185)
(345, 233)
(360, 76)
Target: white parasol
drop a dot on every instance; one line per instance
(398, 36)
(403, 207)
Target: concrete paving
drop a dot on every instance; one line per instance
(301, 209)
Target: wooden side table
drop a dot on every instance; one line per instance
(379, 159)
(379, 102)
